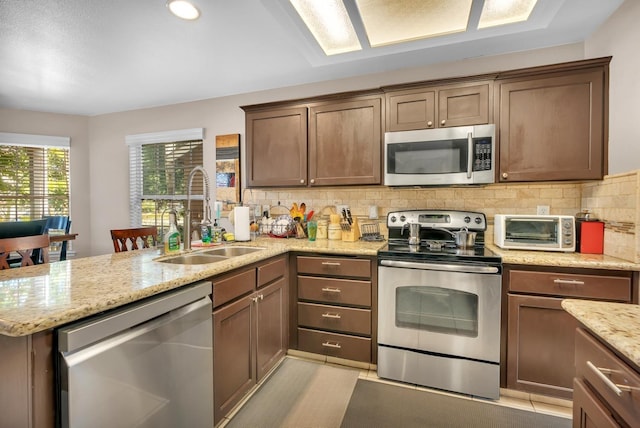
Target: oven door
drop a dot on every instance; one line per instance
(445, 309)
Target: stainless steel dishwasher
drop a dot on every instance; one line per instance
(149, 364)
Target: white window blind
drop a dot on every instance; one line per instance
(159, 167)
(34, 176)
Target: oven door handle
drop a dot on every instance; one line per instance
(440, 267)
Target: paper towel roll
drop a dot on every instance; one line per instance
(241, 223)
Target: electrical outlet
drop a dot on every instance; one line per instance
(543, 210)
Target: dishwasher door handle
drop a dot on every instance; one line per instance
(440, 266)
(93, 330)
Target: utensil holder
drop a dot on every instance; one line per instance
(351, 233)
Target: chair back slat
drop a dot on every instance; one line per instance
(24, 246)
(134, 238)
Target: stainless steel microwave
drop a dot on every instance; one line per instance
(436, 157)
(535, 232)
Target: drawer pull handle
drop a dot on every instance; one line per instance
(331, 290)
(331, 263)
(601, 372)
(334, 316)
(568, 281)
(332, 345)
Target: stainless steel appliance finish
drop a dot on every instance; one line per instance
(146, 365)
(439, 305)
(432, 157)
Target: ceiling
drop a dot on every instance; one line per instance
(92, 57)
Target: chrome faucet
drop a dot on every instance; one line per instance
(187, 213)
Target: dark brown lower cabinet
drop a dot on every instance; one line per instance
(541, 346)
(605, 387)
(26, 381)
(538, 335)
(249, 331)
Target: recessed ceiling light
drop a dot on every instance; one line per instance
(500, 12)
(183, 9)
(329, 23)
(388, 22)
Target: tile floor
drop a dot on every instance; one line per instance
(508, 397)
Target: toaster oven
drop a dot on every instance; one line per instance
(535, 232)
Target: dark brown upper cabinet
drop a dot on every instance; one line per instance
(277, 147)
(337, 141)
(551, 123)
(428, 107)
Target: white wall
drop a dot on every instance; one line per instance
(619, 37)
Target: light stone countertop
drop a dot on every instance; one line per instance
(615, 323)
(37, 298)
(561, 259)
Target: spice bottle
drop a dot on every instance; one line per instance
(322, 229)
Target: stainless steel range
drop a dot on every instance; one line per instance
(439, 303)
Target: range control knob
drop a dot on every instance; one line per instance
(467, 219)
(403, 218)
(393, 219)
(478, 220)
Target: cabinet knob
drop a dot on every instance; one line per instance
(443, 122)
(505, 175)
(302, 181)
(312, 181)
(429, 124)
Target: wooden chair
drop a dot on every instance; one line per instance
(24, 246)
(128, 239)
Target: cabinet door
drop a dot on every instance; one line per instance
(277, 147)
(540, 346)
(233, 359)
(552, 127)
(407, 111)
(588, 410)
(271, 338)
(345, 143)
(462, 106)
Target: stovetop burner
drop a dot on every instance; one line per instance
(435, 242)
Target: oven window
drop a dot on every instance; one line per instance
(532, 231)
(437, 309)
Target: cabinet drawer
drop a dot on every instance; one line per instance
(334, 290)
(334, 344)
(588, 410)
(271, 271)
(600, 287)
(335, 318)
(595, 363)
(355, 268)
(233, 286)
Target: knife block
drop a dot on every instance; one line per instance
(353, 234)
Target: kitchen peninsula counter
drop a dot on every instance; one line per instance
(37, 298)
(616, 324)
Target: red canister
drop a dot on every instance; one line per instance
(589, 234)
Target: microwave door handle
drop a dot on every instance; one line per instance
(470, 157)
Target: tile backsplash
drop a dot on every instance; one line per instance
(614, 200)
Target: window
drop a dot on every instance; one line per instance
(159, 167)
(34, 176)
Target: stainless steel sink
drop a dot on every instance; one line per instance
(194, 259)
(232, 251)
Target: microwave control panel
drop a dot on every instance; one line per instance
(482, 154)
